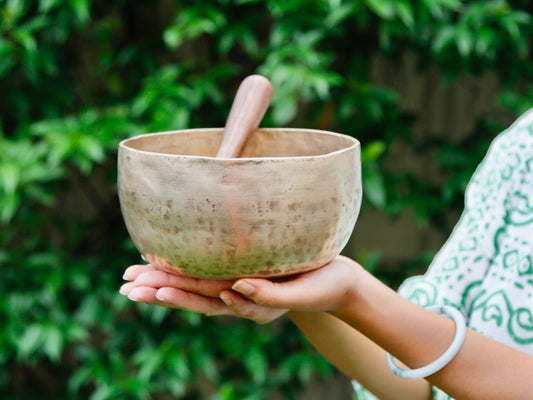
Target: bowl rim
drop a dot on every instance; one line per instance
(354, 144)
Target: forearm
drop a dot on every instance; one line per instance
(483, 369)
(357, 357)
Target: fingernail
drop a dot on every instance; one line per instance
(227, 301)
(132, 297)
(159, 296)
(243, 287)
(127, 274)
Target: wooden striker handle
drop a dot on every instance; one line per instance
(249, 106)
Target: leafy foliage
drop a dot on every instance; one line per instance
(77, 76)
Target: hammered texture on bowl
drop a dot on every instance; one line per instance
(288, 205)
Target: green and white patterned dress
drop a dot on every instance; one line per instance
(485, 269)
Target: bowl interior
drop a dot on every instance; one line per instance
(263, 143)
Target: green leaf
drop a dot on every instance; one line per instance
(30, 340)
(7, 55)
(256, 364)
(173, 37)
(81, 10)
(27, 41)
(13, 11)
(89, 311)
(80, 377)
(178, 362)
(192, 318)
(47, 5)
(76, 332)
(284, 109)
(93, 148)
(103, 391)
(338, 14)
(4, 257)
(151, 362)
(9, 177)
(45, 259)
(485, 42)
(36, 24)
(159, 314)
(177, 388)
(512, 28)
(53, 342)
(464, 41)
(205, 361)
(405, 12)
(374, 189)
(443, 39)
(9, 196)
(249, 43)
(372, 151)
(383, 8)
(304, 372)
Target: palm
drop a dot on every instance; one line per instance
(318, 290)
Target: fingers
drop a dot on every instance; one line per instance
(146, 295)
(143, 295)
(248, 309)
(150, 276)
(152, 286)
(175, 298)
(183, 300)
(126, 288)
(267, 293)
(158, 279)
(131, 273)
(139, 293)
(229, 303)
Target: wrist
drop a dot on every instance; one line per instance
(365, 298)
(352, 276)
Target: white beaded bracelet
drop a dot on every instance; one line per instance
(442, 361)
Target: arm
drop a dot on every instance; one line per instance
(484, 369)
(357, 357)
(339, 302)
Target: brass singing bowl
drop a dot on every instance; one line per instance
(288, 205)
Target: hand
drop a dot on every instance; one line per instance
(327, 288)
(151, 285)
(260, 300)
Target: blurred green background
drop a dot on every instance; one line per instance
(78, 76)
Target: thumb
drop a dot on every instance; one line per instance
(273, 294)
(321, 289)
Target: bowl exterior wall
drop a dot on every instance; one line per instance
(223, 219)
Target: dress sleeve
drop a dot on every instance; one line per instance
(459, 268)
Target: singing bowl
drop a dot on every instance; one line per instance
(288, 205)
